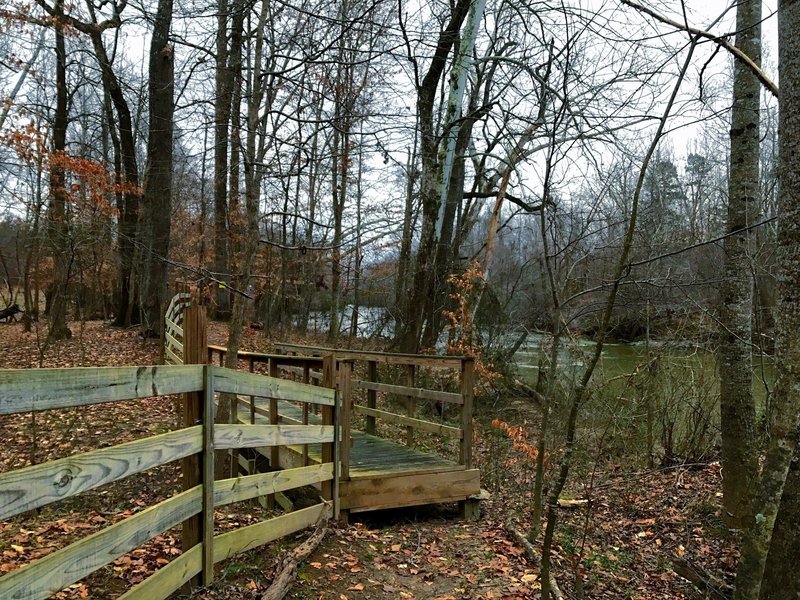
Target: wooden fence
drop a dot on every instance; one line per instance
(35, 486)
(172, 347)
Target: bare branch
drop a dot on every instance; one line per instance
(719, 40)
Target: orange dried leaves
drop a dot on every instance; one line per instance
(519, 437)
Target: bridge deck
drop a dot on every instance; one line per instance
(383, 473)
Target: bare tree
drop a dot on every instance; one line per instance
(737, 406)
(156, 218)
(760, 535)
(58, 228)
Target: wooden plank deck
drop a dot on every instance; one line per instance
(383, 473)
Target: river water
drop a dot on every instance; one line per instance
(682, 364)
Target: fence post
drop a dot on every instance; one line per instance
(467, 385)
(273, 414)
(252, 398)
(274, 451)
(372, 395)
(305, 409)
(411, 404)
(329, 489)
(469, 508)
(343, 423)
(208, 476)
(194, 352)
(346, 401)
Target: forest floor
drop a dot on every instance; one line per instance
(623, 543)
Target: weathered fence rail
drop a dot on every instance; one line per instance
(173, 328)
(35, 486)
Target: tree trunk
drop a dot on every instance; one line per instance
(404, 259)
(409, 326)
(309, 259)
(32, 248)
(357, 258)
(157, 215)
(781, 578)
(127, 307)
(253, 174)
(737, 406)
(222, 116)
(758, 529)
(57, 213)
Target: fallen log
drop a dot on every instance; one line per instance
(565, 503)
(533, 556)
(287, 572)
(705, 583)
(9, 313)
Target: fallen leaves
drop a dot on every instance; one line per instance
(439, 558)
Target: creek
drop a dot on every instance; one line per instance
(680, 364)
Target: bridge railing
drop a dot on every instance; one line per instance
(311, 366)
(408, 369)
(38, 485)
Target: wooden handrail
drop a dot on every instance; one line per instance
(38, 485)
(421, 424)
(251, 384)
(263, 357)
(412, 392)
(463, 398)
(27, 390)
(389, 358)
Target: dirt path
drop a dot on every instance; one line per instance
(417, 554)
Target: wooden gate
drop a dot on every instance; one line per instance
(173, 328)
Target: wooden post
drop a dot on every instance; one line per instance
(252, 398)
(305, 408)
(208, 476)
(372, 395)
(192, 467)
(411, 404)
(469, 507)
(467, 385)
(346, 398)
(274, 451)
(328, 418)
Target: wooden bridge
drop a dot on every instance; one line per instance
(377, 470)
